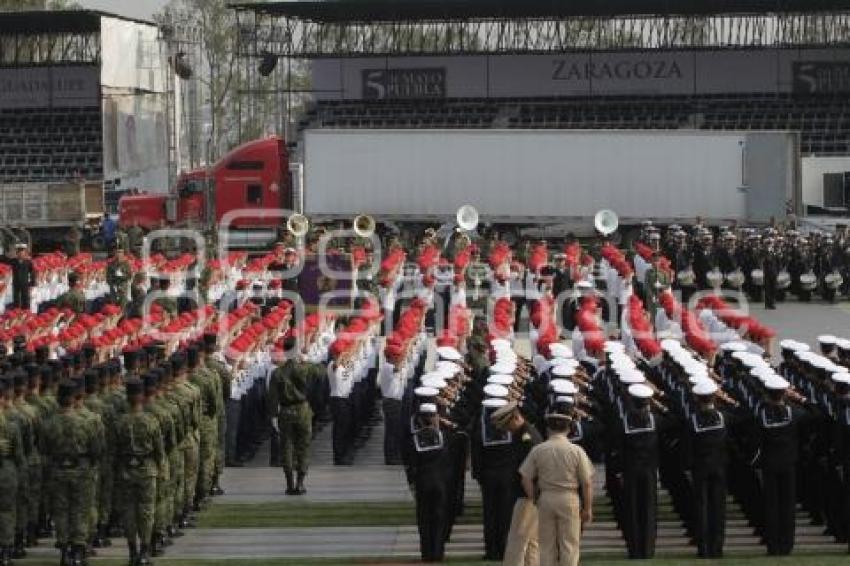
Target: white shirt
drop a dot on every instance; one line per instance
(340, 380)
(392, 382)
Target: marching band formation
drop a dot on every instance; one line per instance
(127, 385)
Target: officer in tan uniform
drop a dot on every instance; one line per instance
(563, 476)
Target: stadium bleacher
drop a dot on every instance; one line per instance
(57, 144)
(823, 121)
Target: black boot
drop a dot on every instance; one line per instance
(79, 555)
(134, 552)
(290, 483)
(144, 556)
(66, 554)
(299, 488)
(103, 533)
(19, 551)
(157, 545)
(32, 534)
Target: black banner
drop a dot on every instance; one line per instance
(811, 77)
(383, 84)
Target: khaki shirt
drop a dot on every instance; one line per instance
(558, 465)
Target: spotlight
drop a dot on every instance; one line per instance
(267, 63)
(181, 66)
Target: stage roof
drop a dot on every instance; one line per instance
(329, 11)
(56, 21)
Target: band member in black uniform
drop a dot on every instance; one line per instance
(639, 439)
(494, 466)
(429, 462)
(706, 458)
(703, 258)
(770, 267)
(23, 276)
(777, 422)
(683, 265)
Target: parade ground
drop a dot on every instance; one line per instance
(364, 514)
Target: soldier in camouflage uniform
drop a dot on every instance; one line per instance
(73, 445)
(97, 428)
(95, 402)
(174, 498)
(205, 380)
(12, 459)
(36, 477)
(222, 383)
(187, 397)
(155, 406)
(118, 274)
(291, 414)
(73, 298)
(26, 418)
(140, 452)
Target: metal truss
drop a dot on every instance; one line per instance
(49, 48)
(261, 33)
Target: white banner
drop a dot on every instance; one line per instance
(42, 87)
(583, 74)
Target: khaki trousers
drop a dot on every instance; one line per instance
(559, 528)
(521, 548)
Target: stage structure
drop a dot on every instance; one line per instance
(608, 64)
(83, 98)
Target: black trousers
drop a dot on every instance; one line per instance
(639, 509)
(432, 508)
(497, 498)
(21, 296)
(343, 448)
(780, 499)
(392, 431)
(710, 512)
(770, 296)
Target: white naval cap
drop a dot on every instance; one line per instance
(563, 387)
(502, 368)
(612, 346)
(495, 390)
(560, 350)
(449, 353)
(640, 391)
(733, 346)
(632, 377)
(563, 370)
(762, 373)
(494, 403)
(776, 383)
(705, 387)
(671, 345)
(500, 379)
(793, 345)
(446, 366)
(428, 409)
(433, 382)
(584, 284)
(841, 377)
(827, 340)
(843, 343)
(426, 391)
(500, 344)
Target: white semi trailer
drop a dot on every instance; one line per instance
(550, 178)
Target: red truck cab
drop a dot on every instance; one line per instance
(253, 178)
